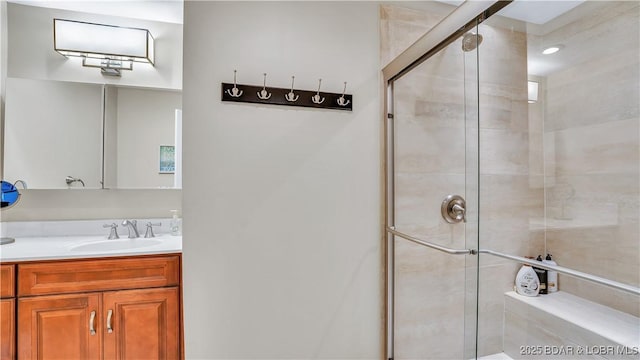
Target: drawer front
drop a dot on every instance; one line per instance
(7, 281)
(98, 275)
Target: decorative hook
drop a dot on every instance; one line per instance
(341, 100)
(291, 97)
(317, 99)
(234, 92)
(264, 94)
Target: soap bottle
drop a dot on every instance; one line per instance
(552, 276)
(527, 282)
(542, 276)
(175, 223)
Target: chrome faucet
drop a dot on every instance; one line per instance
(132, 226)
(149, 233)
(113, 233)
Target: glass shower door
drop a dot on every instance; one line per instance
(433, 174)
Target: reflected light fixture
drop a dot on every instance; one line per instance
(552, 49)
(108, 47)
(532, 92)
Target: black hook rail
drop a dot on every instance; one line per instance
(250, 94)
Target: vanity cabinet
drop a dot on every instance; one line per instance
(7, 312)
(126, 308)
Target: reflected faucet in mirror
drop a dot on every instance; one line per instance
(70, 180)
(21, 182)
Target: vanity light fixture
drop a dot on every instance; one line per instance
(552, 49)
(532, 92)
(108, 47)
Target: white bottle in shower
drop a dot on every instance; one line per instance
(527, 282)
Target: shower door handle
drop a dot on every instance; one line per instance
(454, 209)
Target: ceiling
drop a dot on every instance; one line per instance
(537, 12)
(156, 10)
(532, 11)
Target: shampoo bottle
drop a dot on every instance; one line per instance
(527, 282)
(175, 223)
(552, 276)
(542, 276)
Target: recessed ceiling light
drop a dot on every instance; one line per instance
(552, 49)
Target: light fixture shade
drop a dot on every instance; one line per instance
(97, 41)
(532, 87)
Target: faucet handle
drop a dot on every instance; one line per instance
(149, 233)
(113, 234)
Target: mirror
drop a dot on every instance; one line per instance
(68, 142)
(70, 127)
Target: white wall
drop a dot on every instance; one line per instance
(281, 205)
(47, 140)
(31, 53)
(146, 120)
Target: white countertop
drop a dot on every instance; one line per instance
(62, 247)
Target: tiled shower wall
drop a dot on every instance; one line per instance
(511, 190)
(592, 142)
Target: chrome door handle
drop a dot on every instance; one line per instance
(109, 328)
(92, 319)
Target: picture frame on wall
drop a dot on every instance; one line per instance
(167, 161)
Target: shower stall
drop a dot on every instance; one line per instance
(499, 149)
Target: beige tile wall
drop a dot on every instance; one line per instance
(592, 135)
(510, 176)
(429, 108)
(430, 291)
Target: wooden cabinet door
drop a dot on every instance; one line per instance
(59, 327)
(7, 329)
(144, 324)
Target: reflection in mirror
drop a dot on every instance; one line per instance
(139, 125)
(53, 130)
(59, 143)
(68, 126)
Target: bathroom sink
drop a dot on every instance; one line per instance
(116, 244)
